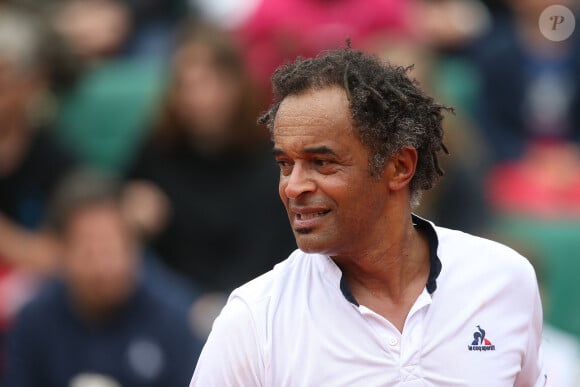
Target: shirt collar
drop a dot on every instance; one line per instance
(434, 261)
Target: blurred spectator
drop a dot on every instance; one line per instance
(205, 188)
(102, 118)
(154, 25)
(530, 91)
(280, 30)
(30, 161)
(449, 24)
(530, 85)
(93, 29)
(101, 322)
(135, 28)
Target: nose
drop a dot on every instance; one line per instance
(298, 182)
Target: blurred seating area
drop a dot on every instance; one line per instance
(137, 190)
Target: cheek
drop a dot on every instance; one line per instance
(281, 189)
(361, 200)
(118, 260)
(339, 189)
(124, 268)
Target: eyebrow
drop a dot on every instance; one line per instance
(278, 152)
(319, 150)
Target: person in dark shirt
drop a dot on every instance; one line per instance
(207, 168)
(530, 96)
(30, 161)
(101, 321)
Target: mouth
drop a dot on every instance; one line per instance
(305, 220)
(312, 215)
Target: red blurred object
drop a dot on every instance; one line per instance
(280, 30)
(545, 182)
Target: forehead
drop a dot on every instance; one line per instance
(193, 53)
(94, 218)
(314, 115)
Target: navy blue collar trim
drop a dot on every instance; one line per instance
(435, 262)
(346, 291)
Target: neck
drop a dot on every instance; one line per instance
(388, 267)
(96, 312)
(388, 278)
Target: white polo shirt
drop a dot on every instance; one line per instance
(478, 322)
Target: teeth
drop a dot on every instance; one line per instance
(310, 216)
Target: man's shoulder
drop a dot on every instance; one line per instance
(455, 241)
(47, 296)
(462, 250)
(275, 281)
(46, 309)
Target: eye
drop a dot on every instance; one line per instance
(285, 167)
(321, 162)
(324, 166)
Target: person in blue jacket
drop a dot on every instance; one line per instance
(101, 322)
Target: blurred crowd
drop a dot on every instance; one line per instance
(137, 190)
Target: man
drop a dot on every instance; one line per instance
(375, 296)
(102, 323)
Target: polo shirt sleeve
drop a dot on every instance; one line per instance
(533, 372)
(232, 355)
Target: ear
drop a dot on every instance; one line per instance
(401, 168)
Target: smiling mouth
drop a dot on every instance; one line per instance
(313, 215)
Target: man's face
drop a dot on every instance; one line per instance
(205, 95)
(334, 204)
(100, 258)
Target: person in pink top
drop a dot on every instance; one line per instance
(280, 30)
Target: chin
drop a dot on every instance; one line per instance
(312, 244)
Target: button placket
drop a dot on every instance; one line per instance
(411, 343)
(388, 335)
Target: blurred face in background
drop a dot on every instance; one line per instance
(206, 95)
(94, 29)
(100, 259)
(18, 92)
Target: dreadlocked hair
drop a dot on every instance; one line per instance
(389, 110)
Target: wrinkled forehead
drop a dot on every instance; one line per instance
(327, 107)
(315, 120)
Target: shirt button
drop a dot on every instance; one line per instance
(393, 341)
